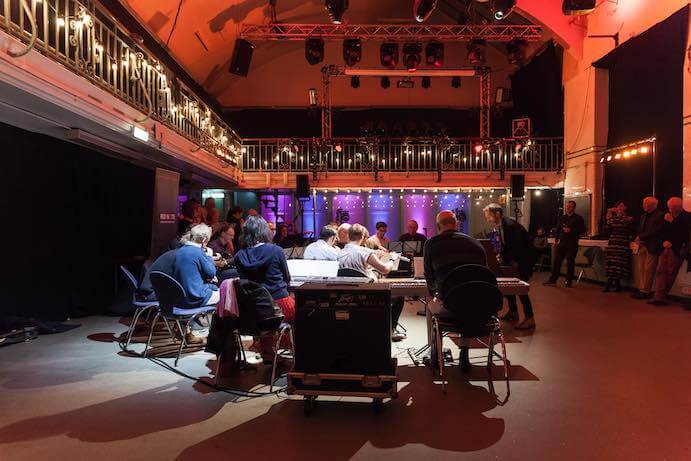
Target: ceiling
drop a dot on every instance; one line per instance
(203, 38)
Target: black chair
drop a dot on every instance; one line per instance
(139, 306)
(467, 273)
(350, 273)
(473, 308)
(589, 254)
(169, 294)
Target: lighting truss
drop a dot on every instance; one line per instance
(447, 33)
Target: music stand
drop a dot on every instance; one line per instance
(288, 252)
(412, 246)
(298, 252)
(396, 247)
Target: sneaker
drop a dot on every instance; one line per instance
(550, 282)
(509, 317)
(397, 335)
(527, 324)
(658, 302)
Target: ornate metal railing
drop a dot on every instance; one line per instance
(83, 37)
(398, 155)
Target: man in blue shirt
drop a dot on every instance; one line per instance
(194, 269)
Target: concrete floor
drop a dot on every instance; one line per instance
(603, 377)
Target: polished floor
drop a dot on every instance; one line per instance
(602, 377)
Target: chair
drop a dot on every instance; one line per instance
(139, 306)
(589, 254)
(473, 307)
(467, 273)
(169, 294)
(344, 272)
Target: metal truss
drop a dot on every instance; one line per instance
(485, 101)
(448, 33)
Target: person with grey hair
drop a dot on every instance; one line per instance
(323, 249)
(342, 233)
(675, 246)
(649, 246)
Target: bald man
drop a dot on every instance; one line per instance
(649, 246)
(675, 242)
(443, 253)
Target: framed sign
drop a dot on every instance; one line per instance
(520, 128)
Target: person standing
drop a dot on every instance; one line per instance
(675, 243)
(518, 251)
(210, 212)
(569, 228)
(649, 246)
(618, 258)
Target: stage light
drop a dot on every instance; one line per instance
(385, 82)
(434, 54)
(140, 133)
(478, 148)
(411, 56)
(455, 82)
(574, 7)
(355, 81)
(634, 151)
(501, 8)
(627, 154)
(388, 54)
(426, 82)
(538, 192)
(617, 156)
(314, 50)
(336, 8)
(609, 158)
(476, 51)
(515, 51)
(352, 51)
(644, 150)
(602, 160)
(422, 9)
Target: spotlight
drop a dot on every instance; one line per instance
(501, 8)
(336, 8)
(411, 56)
(476, 51)
(385, 82)
(456, 82)
(388, 54)
(574, 7)
(352, 51)
(515, 51)
(422, 9)
(314, 50)
(426, 82)
(355, 81)
(434, 54)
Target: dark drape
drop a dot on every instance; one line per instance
(645, 99)
(68, 212)
(545, 209)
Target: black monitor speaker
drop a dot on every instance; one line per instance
(517, 186)
(302, 186)
(573, 7)
(242, 56)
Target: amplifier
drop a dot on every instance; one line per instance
(343, 330)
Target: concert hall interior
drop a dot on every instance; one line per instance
(346, 229)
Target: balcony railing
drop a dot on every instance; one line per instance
(82, 37)
(397, 155)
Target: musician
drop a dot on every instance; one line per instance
(379, 241)
(412, 235)
(325, 248)
(443, 253)
(342, 233)
(516, 249)
(357, 257)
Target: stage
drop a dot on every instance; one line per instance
(581, 384)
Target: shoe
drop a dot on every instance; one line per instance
(658, 302)
(568, 284)
(464, 361)
(509, 317)
(526, 324)
(641, 295)
(550, 282)
(397, 335)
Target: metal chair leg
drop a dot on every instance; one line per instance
(440, 354)
(151, 332)
(504, 357)
(182, 340)
(274, 365)
(578, 280)
(133, 324)
(490, 351)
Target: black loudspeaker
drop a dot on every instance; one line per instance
(517, 186)
(302, 186)
(573, 7)
(242, 56)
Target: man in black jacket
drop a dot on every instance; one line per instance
(675, 242)
(649, 246)
(569, 228)
(517, 250)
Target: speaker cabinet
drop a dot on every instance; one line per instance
(302, 187)
(574, 7)
(517, 186)
(242, 56)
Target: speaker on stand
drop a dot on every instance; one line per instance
(517, 193)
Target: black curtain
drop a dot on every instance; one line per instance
(69, 214)
(545, 209)
(646, 99)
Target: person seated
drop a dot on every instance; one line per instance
(194, 269)
(222, 245)
(323, 249)
(358, 257)
(379, 241)
(342, 233)
(234, 217)
(443, 253)
(412, 235)
(540, 241)
(186, 220)
(263, 262)
(210, 212)
(164, 263)
(281, 238)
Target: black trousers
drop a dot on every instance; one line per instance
(525, 299)
(396, 310)
(564, 251)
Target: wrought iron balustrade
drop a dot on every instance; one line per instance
(398, 155)
(84, 38)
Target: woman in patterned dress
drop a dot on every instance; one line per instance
(618, 258)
